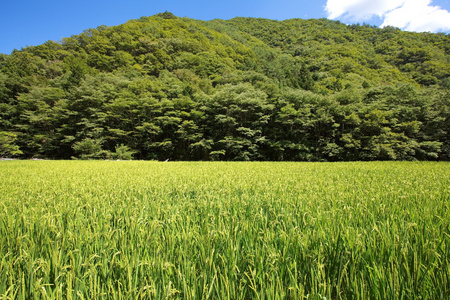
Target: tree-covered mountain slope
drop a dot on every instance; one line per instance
(164, 87)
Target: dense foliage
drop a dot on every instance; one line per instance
(224, 230)
(164, 87)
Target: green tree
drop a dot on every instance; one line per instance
(8, 148)
(123, 152)
(92, 149)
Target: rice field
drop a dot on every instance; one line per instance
(200, 230)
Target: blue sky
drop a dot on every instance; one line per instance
(31, 22)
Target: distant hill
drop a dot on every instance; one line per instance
(164, 87)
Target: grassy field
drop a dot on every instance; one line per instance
(152, 230)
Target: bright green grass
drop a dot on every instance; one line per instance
(150, 230)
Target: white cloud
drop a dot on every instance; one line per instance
(411, 15)
(360, 9)
(419, 16)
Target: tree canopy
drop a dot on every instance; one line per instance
(164, 87)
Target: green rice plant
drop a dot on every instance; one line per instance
(205, 230)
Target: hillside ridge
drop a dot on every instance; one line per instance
(165, 87)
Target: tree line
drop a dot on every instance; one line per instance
(164, 87)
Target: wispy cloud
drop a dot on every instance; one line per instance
(411, 15)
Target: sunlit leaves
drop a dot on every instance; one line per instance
(242, 89)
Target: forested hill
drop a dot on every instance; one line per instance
(164, 87)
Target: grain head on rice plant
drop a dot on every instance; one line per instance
(196, 230)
